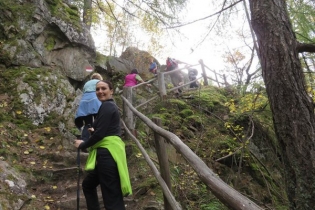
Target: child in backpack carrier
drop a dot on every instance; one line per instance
(153, 67)
(192, 75)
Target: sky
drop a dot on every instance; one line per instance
(185, 47)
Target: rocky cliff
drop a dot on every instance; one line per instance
(44, 52)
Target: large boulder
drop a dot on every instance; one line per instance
(48, 33)
(138, 58)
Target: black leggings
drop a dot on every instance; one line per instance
(106, 174)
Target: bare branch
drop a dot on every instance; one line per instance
(216, 13)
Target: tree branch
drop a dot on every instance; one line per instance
(200, 19)
(302, 47)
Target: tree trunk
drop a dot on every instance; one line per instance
(292, 108)
(87, 13)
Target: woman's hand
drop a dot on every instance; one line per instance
(77, 142)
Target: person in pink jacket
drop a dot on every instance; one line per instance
(133, 78)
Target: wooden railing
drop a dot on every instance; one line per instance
(226, 194)
(130, 92)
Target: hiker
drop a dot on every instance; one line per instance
(176, 77)
(88, 106)
(153, 66)
(106, 164)
(133, 79)
(192, 75)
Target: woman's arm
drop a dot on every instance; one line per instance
(101, 125)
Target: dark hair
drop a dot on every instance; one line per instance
(134, 71)
(110, 85)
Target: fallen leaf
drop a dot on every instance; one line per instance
(33, 163)
(26, 152)
(42, 147)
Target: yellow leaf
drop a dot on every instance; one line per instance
(26, 152)
(47, 207)
(54, 187)
(19, 112)
(33, 163)
(33, 196)
(42, 147)
(25, 134)
(47, 129)
(138, 155)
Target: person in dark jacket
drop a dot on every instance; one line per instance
(106, 163)
(192, 75)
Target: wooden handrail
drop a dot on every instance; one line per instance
(225, 193)
(170, 198)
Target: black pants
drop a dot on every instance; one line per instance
(106, 175)
(84, 121)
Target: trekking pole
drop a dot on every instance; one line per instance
(78, 172)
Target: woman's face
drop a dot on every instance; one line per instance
(103, 92)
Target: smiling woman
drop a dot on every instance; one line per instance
(106, 163)
(104, 90)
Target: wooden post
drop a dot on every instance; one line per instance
(128, 114)
(216, 77)
(163, 161)
(161, 83)
(205, 82)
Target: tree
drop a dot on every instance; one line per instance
(126, 20)
(292, 107)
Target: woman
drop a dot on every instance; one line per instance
(133, 78)
(106, 163)
(88, 107)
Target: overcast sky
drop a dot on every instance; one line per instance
(186, 46)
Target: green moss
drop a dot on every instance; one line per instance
(101, 59)
(50, 43)
(179, 103)
(68, 14)
(186, 113)
(194, 120)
